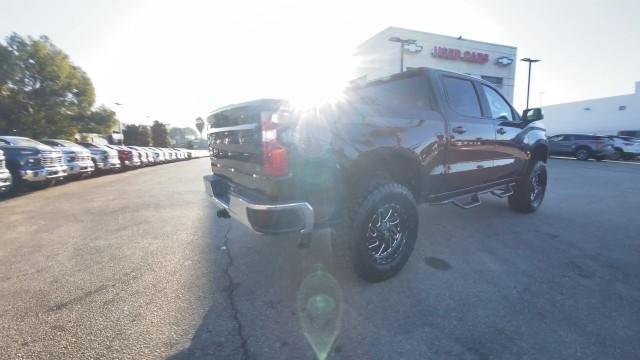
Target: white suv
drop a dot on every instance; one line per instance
(626, 147)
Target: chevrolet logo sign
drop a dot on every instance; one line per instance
(504, 61)
(412, 48)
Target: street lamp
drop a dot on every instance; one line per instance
(530, 61)
(120, 121)
(402, 42)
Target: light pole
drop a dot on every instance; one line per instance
(120, 122)
(402, 43)
(530, 61)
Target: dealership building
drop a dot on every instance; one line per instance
(380, 56)
(595, 116)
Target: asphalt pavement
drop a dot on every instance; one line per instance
(136, 266)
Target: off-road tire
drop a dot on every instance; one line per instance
(523, 198)
(350, 238)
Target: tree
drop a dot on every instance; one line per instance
(42, 93)
(137, 135)
(159, 134)
(101, 120)
(181, 135)
(199, 125)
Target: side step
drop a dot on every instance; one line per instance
(502, 193)
(473, 201)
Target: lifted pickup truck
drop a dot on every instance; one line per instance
(31, 163)
(362, 166)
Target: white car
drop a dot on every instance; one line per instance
(626, 147)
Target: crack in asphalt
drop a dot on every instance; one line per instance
(230, 290)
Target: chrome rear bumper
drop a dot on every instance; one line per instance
(238, 206)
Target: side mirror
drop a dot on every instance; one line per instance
(533, 114)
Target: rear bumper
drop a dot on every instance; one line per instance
(298, 216)
(45, 173)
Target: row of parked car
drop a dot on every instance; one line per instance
(599, 147)
(35, 164)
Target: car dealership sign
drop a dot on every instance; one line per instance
(456, 54)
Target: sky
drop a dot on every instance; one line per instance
(176, 60)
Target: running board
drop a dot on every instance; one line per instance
(502, 193)
(472, 200)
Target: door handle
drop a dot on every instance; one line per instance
(502, 131)
(458, 130)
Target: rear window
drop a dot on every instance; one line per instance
(413, 92)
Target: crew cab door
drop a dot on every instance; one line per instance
(470, 149)
(509, 143)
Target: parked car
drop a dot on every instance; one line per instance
(624, 147)
(146, 153)
(5, 175)
(77, 159)
(158, 154)
(128, 159)
(361, 166)
(138, 155)
(582, 146)
(104, 159)
(631, 133)
(31, 163)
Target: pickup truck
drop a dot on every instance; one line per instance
(104, 159)
(362, 165)
(76, 158)
(31, 163)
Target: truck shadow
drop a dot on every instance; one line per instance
(255, 281)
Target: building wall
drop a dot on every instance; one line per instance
(379, 57)
(600, 116)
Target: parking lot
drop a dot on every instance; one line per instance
(136, 265)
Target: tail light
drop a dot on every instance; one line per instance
(275, 156)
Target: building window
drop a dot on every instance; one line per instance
(622, 107)
(497, 81)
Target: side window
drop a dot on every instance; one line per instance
(556, 138)
(497, 105)
(3, 142)
(411, 93)
(462, 96)
(570, 138)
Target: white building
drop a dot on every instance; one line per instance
(380, 57)
(601, 116)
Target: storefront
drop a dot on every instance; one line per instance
(606, 116)
(381, 56)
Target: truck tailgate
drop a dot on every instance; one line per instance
(235, 143)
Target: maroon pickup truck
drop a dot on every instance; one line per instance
(361, 166)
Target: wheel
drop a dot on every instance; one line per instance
(599, 158)
(529, 191)
(380, 232)
(627, 157)
(583, 154)
(617, 155)
(17, 184)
